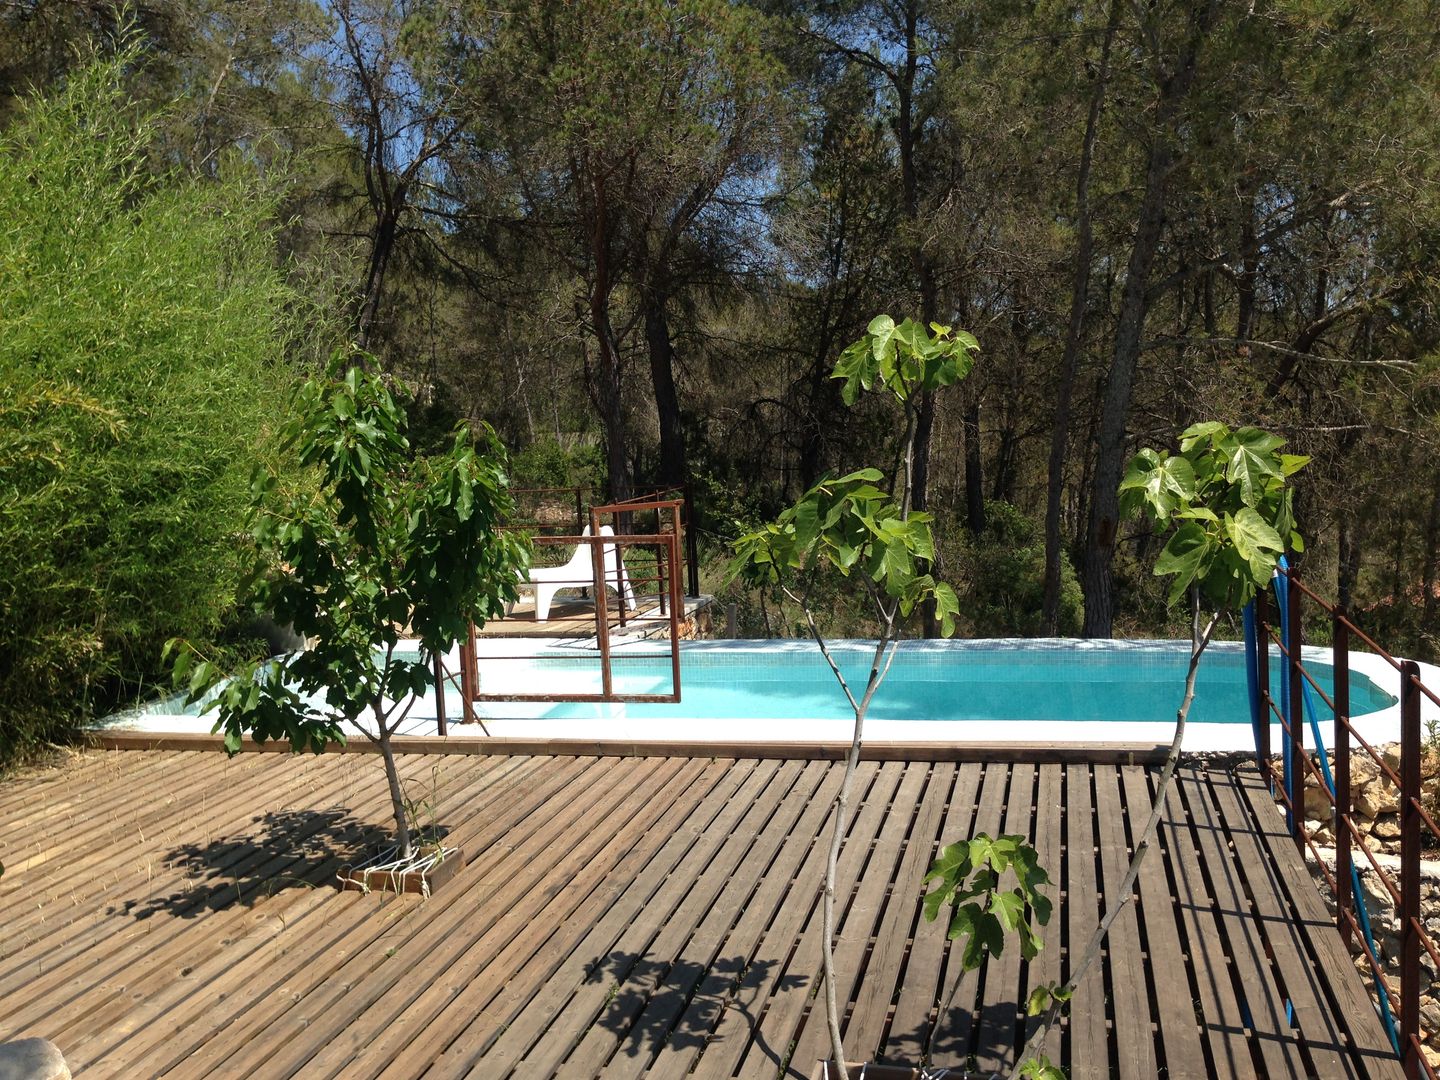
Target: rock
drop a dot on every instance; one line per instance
(1386, 827)
(1432, 1056)
(1391, 754)
(32, 1059)
(1430, 1015)
(1377, 797)
(1317, 803)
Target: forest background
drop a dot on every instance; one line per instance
(634, 236)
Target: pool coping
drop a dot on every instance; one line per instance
(1037, 753)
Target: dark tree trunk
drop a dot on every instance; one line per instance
(609, 396)
(674, 468)
(974, 472)
(612, 409)
(1074, 335)
(380, 250)
(1100, 535)
(1348, 565)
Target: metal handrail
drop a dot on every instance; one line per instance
(1413, 816)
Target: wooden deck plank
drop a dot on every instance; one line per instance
(48, 857)
(103, 963)
(796, 866)
(582, 988)
(916, 1005)
(517, 821)
(1002, 999)
(637, 1025)
(1336, 1025)
(511, 813)
(663, 905)
(756, 1034)
(856, 923)
(444, 1011)
(1260, 1001)
(1129, 986)
(957, 1028)
(84, 888)
(1222, 1019)
(1046, 968)
(172, 1025)
(523, 883)
(1165, 963)
(705, 878)
(883, 975)
(1087, 1046)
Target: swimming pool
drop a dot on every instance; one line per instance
(1024, 680)
(999, 690)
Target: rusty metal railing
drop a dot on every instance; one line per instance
(1349, 839)
(608, 572)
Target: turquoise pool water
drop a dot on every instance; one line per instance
(928, 681)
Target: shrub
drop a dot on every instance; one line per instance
(144, 329)
(1002, 578)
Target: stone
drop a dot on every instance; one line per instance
(1377, 797)
(1386, 827)
(1390, 752)
(1432, 1056)
(1430, 1016)
(1317, 803)
(32, 1059)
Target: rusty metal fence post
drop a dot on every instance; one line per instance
(1296, 719)
(1410, 854)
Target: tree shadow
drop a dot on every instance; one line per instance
(286, 849)
(655, 1004)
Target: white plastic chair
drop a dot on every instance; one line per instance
(578, 574)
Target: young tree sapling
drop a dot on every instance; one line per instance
(382, 543)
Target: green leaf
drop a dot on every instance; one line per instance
(1185, 555)
(1251, 459)
(1208, 431)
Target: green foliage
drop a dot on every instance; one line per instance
(1041, 1068)
(851, 526)
(967, 876)
(144, 331)
(1001, 576)
(546, 463)
(1227, 490)
(383, 541)
(904, 359)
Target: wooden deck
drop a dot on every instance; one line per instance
(171, 913)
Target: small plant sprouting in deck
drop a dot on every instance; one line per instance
(1226, 495)
(854, 528)
(968, 880)
(380, 538)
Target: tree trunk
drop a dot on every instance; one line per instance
(1100, 534)
(1074, 335)
(397, 797)
(380, 250)
(674, 468)
(974, 472)
(617, 464)
(609, 391)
